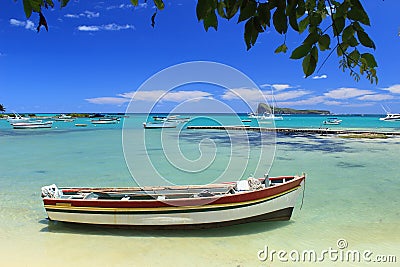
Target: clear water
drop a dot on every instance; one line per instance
(351, 193)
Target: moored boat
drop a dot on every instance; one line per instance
(104, 121)
(391, 117)
(32, 125)
(332, 121)
(159, 125)
(17, 119)
(176, 207)
(64, 118)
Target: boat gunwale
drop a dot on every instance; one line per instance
(238, 197)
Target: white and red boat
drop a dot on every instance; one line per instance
(176, 207)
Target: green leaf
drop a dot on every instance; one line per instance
(64, 3)
(341, 49)
(293, 22)
(312, 38)
(50, 3)
(250, 33)
(315, 19)
(264, 14)
(358, 13)
(35, 5)
(257, 24)
(202, 8)
(352, 41)
(220, 9)
(231, 8)
(211, 21)
(135, 2)
(314, 53)
(301, 8)
(348, 32)
(27, 8)
(304, 24)
(280, 21)
(324, 42)
(247, 10)
(309, 65)
(338, 25)
(301, 51)
(353, 58)
(281, 49)
(365, 40)
(370, 60)
(159, 4)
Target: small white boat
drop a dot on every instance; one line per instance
(265, 116)
(176, 118)
(391, 117)
(17, 118)
(176, 207)
(32, 125)
(64, 118)
(332, 121)
(159, 125)
(104, 121)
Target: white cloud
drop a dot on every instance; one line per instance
(376, 97)
(151, 96)
(115, 27)
(395, 89)
(255, 95)
(108, 100)
(128, 6)
(162, 95)
(29, 25)
(310, 101)
(90, 14)
(72, 16)
(345, 93)
(277, 86)
(247, 94)
(281, 86)
(107, 27)
(86, 14)
(323, 76)
(88, 28)
(290, 94)
(265, 85)
(15, 22)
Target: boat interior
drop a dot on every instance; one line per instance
(163, 193)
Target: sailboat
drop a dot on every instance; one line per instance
(267, 115)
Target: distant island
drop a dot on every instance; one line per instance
(264, 108)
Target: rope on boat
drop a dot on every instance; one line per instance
(302, 198)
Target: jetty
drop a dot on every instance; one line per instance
(323, 131)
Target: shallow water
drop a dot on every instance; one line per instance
(351, 193)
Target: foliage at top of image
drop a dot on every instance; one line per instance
(329, 25)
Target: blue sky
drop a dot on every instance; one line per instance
(97, 53)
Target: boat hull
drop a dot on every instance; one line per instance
(33, 125)
(264, 205)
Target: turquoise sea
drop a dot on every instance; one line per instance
(351, 194)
